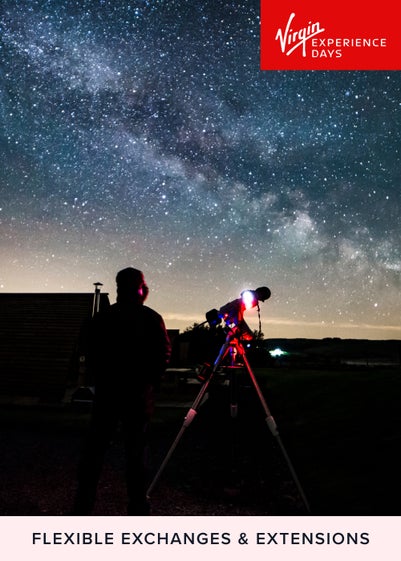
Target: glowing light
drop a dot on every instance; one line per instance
(277, 352)
(249, 299)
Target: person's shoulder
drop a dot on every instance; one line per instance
(151, 313)
(107, 311)
(105, 314)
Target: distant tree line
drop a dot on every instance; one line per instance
(200, 343)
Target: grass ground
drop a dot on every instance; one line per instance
(341, 430)
(344, 430)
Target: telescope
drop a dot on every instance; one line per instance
(236, 330)
(232, 313)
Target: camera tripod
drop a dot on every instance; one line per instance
(234, 346)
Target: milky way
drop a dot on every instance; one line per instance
(143, 133)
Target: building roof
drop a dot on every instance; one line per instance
(39, 334)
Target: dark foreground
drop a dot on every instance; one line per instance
(205, 476)
(342, 436)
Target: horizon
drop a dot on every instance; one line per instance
(271, 327)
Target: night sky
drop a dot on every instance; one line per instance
(143, 133)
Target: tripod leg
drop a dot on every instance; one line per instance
(271, 423)
(187, 421)
(191, 414)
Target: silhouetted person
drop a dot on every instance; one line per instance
(128, 350)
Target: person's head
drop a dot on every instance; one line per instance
(131, 285)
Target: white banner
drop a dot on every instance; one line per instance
(174, 538)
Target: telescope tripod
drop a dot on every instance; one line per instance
(233, 346)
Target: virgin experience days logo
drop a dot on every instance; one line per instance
(290, 40)
(329, 47)
(311, 35)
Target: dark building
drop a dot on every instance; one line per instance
(39, 339)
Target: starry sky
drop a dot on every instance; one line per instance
(143, 133)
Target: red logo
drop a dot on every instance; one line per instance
(345, 35)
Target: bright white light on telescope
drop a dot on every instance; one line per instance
(249, 299)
